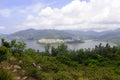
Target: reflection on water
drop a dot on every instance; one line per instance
(86, 45)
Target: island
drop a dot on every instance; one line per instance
(58, 41)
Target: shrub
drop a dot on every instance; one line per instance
(5, 75)
(117, 70)
(66, 60)
(3, 53)
(50, 67)
(34, 73)
(62, 76)
(91, 62)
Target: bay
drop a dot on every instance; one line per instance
(74, 46)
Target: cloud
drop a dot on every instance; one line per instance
(2, 27)
(97, 15)
(5, 12)
(30, 9)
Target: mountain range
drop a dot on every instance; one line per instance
(32, 34)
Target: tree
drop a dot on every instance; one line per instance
(5, 43)
(2, 41)
(13, 42)
(62, 49)
(47, 49)
(19, 47)
(3, 53)
(54, 51)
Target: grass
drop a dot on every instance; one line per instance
(5, 75)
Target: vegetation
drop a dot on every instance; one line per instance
(5, 75)
(100, 63)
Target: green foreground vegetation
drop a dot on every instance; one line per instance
(18, 63)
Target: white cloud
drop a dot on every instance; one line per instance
(2, 27)
(5, 12)
(98, 15)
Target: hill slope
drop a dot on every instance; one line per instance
(113, 36)
(32, 34)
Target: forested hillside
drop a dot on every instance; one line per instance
(18, 63)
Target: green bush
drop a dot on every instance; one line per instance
(3, 53)
(66, 60)
(62, 76)
(33, 72)
(46, 76)
(91, 62)
(117, 70)
(5, 75)
(50, 67)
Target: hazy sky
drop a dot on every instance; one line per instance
(96, 15)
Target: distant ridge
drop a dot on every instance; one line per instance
(32, 34)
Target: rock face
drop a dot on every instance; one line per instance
(12, 59)
(18, 78)
(20, 61)
(24, 78)
(15, 70)
(9, 67)
(13, 66)
(36, 65)
(17, 67)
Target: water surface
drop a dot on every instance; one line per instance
(87, 44)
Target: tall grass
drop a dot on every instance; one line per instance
(5, 75)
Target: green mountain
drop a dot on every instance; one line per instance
(84, 34)
(32, 34)
(3, 35)
(113, 36)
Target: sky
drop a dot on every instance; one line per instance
(97, 15)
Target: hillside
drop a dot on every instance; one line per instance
(18, 63)
(84, 34)
(111, 36)
(32, 34)
(3, 35)
(63, 34)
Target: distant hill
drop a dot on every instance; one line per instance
(32, 34)
(3, 35)
(113, 36)
(62, 34)
(84, 34)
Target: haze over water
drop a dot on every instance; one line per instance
(87, 44)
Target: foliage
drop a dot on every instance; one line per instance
(15, 47)
(3, 53)
(19, 47)
(100, 63)
(47, 49)
(66, 60)
(34, 73)
(63, 76)
(5, 75)
(5, 43)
